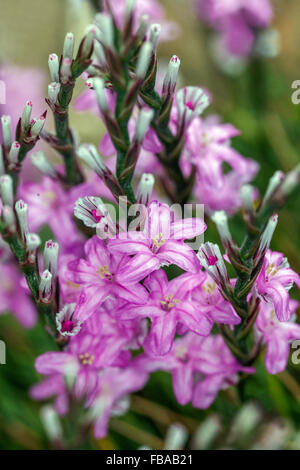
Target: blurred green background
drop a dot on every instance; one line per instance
(258, 102)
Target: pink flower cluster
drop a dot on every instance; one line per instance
(236, 20)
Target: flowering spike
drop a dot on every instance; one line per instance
(154, 35)
(33, 242)
(6, 190)
(45, 287)
(40, 161)
(68, 48)
(143, 60)
(22, 214)
(98, 85)
(14, 153)
(143, 123)
(67, 325)
(53, 91)
(145, 188)
(6, 131)
(89, 154)
(53, 64)
(50, 257)
(25, 120)
(90, 210)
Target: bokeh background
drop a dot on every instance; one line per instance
(258, 102)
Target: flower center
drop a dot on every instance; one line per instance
(190, 105)
(169, 302)
(159, 240)
(86, 359)
(182, 353)
(209, 287)
(272, 269)
(212, 260)
(49, 197)
(104, 273)
(67, 326)
(97, 215)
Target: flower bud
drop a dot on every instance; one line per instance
(8, 218)
(176, 437)
(212, 261)
(191, 102)
(100, 54)
(171, 76)
(6, 190)
(51, 423)
(105, 24)
(40, 161)
(142, 27)
(45, 287)
(2, 165)
(90, 210)
(6, 131)
(89, 154)
(154, 35)
(33, 242)
(221, 220)
(143, 123)
(98, 85)
(37, 125)
(145, 188)
(65, 70)
(22, 214)
(68, 48)
(50, 257)
(247, 192)
(53, 64)
(274, 183)
(143, 60)
(267, 235)
(14, 153)
(25, 120)
(53, 91)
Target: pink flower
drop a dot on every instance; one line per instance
(50, 204)
(14, 297)
(212, 304)
(274, 281)
(200, 367)
(169, 306)
(102, 274)
(161, 241)
(277, 336)
(208, 148)
(236, 20)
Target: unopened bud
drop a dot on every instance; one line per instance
(143, 26)
(22, 214)
(145, 188)
(68, 46)
(143, 60)
(247, 192)
(105, 24)
(176, 437)
(65, 70)
(6, 131)
(53, 64)
(90, 210)
(53, 91)
(33, 242)
(6, 190)
(89, 154)
(143, 123)
(50, 257)
(51, 423)
(99, 87)
(221, 220)
(268, 234)
(154, 35)
(25, 120)
(171, 75)
(274, 183)
(14, 153)
(40, 161)
(45, 287)
(9, 220)
(100, 54)
(37, 125)
(2, 165)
